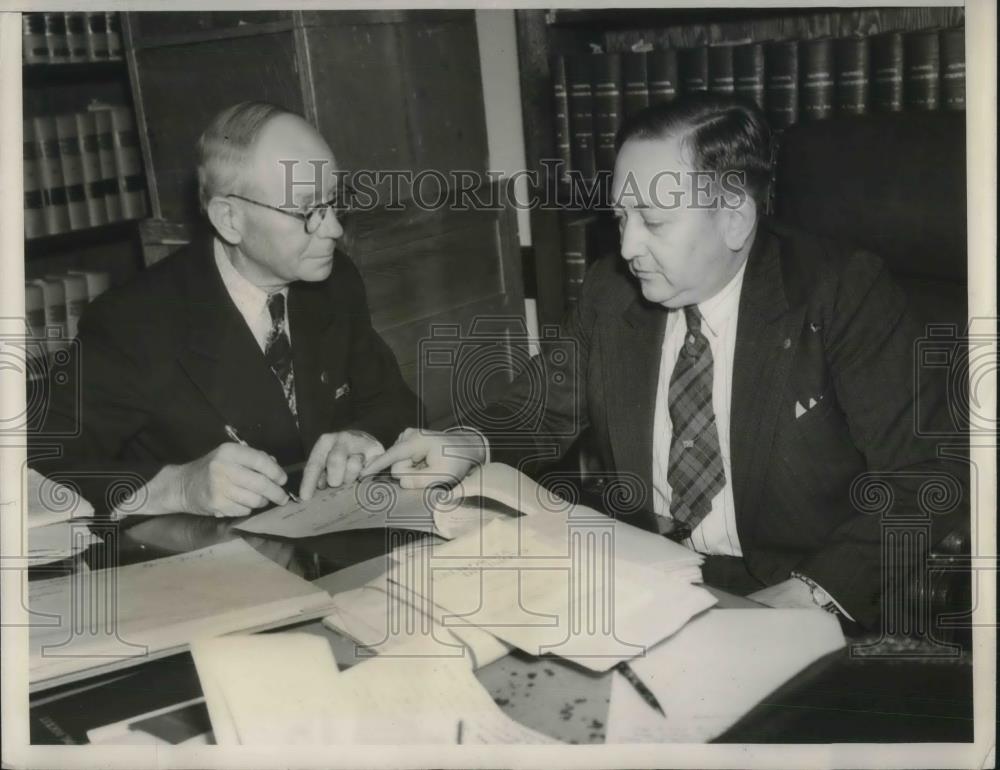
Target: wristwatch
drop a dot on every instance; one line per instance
(820, 597)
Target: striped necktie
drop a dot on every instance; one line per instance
(694, 471)
(278, 349)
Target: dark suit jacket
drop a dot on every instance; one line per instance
(815, 320)
(167, 361)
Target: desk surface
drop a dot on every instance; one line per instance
(839, 699)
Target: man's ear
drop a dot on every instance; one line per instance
(738, 223)
(226, 218)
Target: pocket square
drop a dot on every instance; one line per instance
(801, 410)
(342, 391)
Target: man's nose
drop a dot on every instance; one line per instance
(631, 240)
(330, 227)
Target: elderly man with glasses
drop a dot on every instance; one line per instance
(249, 351)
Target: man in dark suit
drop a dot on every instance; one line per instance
(743, 374)
(246, 351)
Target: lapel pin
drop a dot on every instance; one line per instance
(814, 327)
(787, 343)
(342, 391)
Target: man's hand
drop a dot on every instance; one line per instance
(231, 480)
(788, 593)
(421, 458)
(336, 459)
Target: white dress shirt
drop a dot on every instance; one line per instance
(249, 299)
(716, 534)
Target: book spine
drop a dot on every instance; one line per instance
(953, 68)
(34, 311)
(128, 164)
(54, 295)
(34, 46)
(55, 38)
(692, 64)
(922, 70)
(90, 160)
(574, 257)
(581, 109)
(97, 36)
(106, 154)
(607, 90)
(748, 72)
(560, 99)
(817, 78)
(50, 174)
(853, 63)
(97, 282)
(76, 35)
(636, 79)
(887, 72)
(781, 98)
(114, 30)
(75, 291)
(34, 211)
(72, 171)
(721, 77)
(663, 82)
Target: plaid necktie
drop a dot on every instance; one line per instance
(694, 471)
(278, 349)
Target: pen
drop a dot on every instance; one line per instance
(460, 732)
(645, 693)
(234, 436)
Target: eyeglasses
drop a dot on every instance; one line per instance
(313, 216)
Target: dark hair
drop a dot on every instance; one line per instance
(724, 133)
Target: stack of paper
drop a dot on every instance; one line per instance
(102, 620)
(715, 670)
(285, 688)
(55, 542)
(50, 502)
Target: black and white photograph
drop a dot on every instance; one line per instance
(498, 385)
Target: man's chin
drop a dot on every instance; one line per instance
(316, 269)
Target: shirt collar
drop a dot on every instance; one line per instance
(248, 297)
(717, 309)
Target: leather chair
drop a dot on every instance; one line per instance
(894, 184)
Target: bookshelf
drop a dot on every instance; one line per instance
(83, 182)
(583, 71)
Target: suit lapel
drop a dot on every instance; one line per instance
(633, 348)
(766, 340)
(223, 359)
(320, 329)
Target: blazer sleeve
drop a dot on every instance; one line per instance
(384, 404)
(870, 349)
(92, 414)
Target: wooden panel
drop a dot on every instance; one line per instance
(160, 27)
(444, 93)
(181, 89)
(444, 272)
(360, 104)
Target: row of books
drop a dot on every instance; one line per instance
(81, 170)
(791, 80)
(53, 305)
(64, 37)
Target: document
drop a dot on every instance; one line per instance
(266, 688)
(50, 502)
(565, 585)
(715, 669)
(102, 620)
(59, 541)
(369, 504)
(284, 688)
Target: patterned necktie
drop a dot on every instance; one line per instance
(278, 349)
(694, 472)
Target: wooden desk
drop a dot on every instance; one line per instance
(841, 699)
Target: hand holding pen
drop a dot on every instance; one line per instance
(234, 436)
